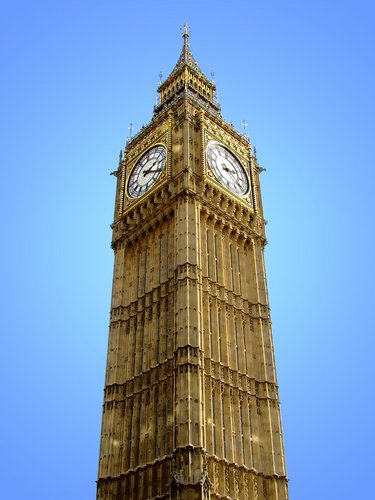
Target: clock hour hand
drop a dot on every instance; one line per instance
(230, 172)
(146, 172)
(151, 169)
(228, 169)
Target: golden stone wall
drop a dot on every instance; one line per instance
(191, 407)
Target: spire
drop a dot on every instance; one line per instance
(186, 57)
(187, 79)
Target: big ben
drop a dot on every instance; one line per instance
(191, 408)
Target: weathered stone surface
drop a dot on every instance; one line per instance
(191, 407)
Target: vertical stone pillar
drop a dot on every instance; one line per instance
(189, 458)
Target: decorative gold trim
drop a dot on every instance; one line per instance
(132, 163)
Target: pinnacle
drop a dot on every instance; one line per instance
(186, 57)
(187, 77)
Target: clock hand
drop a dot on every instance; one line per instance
(227, 169)
(230, 172)
(150, 169)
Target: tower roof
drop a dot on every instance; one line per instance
(186, 57)
(186, 60)
(187, 79)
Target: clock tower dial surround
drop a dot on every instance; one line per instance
(191, 407)
(147, 171)
(227, 169)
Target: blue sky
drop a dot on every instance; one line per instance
(74, 75)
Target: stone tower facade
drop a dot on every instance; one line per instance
(191, 408)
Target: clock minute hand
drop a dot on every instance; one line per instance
(228, 169)
(150, 169)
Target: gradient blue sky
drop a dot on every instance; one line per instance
(74, 75)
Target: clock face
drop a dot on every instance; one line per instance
(147, 171)
(227, 169)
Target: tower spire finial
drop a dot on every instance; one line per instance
(186, 35)
(186, 57)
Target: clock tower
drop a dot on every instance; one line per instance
(191, 408)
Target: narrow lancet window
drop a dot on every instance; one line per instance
(251, 436)
(145, 273)
(219, 335)
(156, 411)
(139, 274)
(168, 258)
(139, 450)
(160, 257)
(231, 265)
(135, 346)
(213, 422)
(208, 254)
(158, 332)
(242, 434)
(210, 328)
(215, 256)
(165, 424)
(223, 426)
(239, 270)
(167, 326)
(130, 433)
(236, 338)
